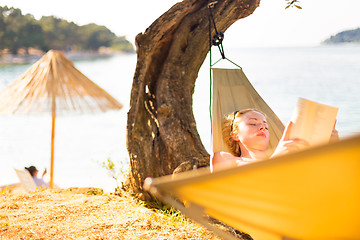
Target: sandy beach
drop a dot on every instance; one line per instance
(87, 213)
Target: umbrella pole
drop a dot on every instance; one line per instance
(52, 151)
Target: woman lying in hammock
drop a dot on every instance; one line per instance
(247, 135)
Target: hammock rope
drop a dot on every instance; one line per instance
(215, 40)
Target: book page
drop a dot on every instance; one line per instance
(313, 121)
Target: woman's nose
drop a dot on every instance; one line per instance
(261, 126)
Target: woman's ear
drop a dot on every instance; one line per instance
(235, 136)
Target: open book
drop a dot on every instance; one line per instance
(313, 121)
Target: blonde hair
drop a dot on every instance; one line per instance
(230, 126)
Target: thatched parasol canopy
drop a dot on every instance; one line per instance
(55, 86)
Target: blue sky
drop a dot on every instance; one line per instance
(269, 26)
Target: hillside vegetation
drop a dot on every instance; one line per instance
(348, 36)
(18, 31)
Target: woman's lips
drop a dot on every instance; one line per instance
(261, 134)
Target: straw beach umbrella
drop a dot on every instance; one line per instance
(53, 85)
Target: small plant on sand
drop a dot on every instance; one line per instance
(166, 212)
(113, 170)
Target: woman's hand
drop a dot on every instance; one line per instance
(334, 135)
(287, 145)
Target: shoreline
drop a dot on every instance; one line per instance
(19, 59)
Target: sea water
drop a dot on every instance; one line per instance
(327, 74)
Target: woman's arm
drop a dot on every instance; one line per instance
(45, 171)
(287, 145)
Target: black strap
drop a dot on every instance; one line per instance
(218, 37)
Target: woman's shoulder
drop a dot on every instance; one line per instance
(223, 159)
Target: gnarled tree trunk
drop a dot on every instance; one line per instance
(161, 129)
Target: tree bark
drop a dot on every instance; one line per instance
(161, 129)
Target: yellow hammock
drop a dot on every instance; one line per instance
(313, 194)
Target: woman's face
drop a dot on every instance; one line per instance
(253, 131)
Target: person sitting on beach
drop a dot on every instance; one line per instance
(38, 181)
(246, 134)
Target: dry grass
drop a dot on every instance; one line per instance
(88, 214)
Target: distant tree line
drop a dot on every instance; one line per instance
(348, 36)
(24, 31)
